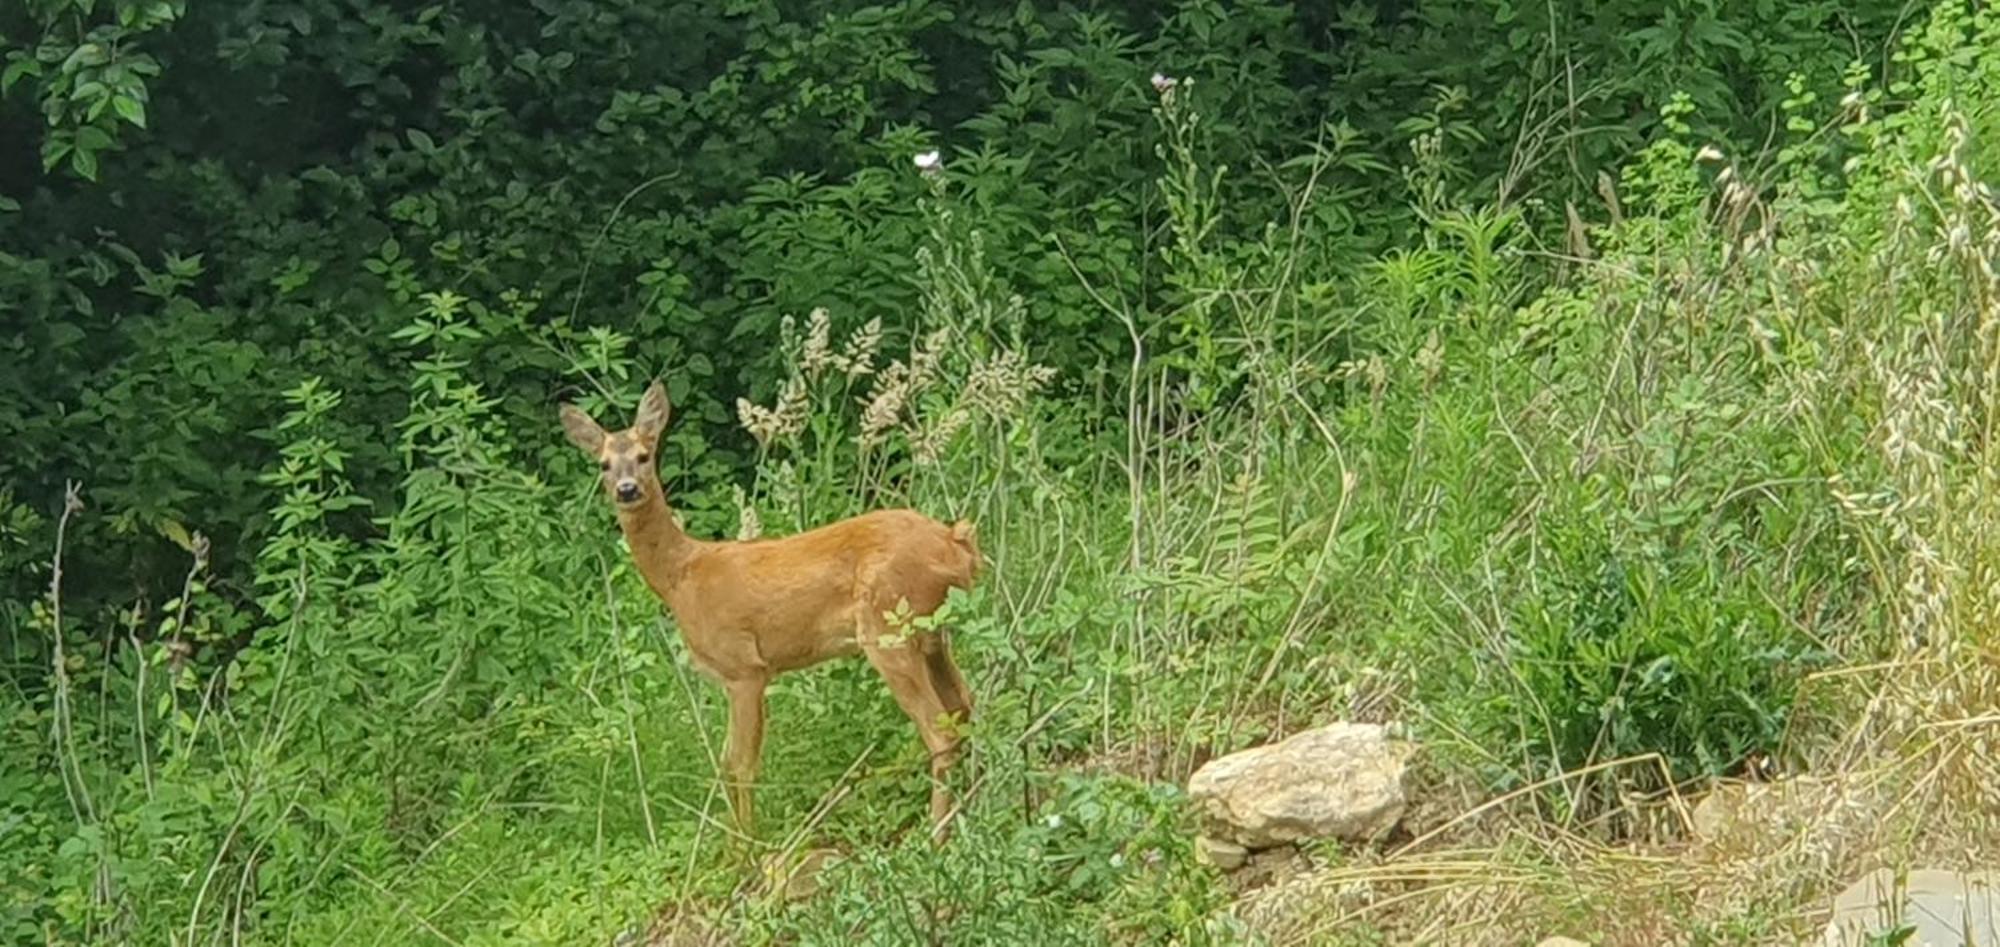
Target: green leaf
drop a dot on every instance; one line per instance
(84, 163)
(54, 150)
(422, 141)
(85, 54)
(186, 267)
(16, 68)
(130, 109)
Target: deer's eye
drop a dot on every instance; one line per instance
(645, 458)
(604, 465)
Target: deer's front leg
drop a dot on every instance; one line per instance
(743, 754)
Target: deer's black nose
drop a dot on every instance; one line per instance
(627, 491)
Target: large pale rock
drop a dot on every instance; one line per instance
(1343, 781)
(1942, 908)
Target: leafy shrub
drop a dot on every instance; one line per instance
(686, 176)
(1266, 421)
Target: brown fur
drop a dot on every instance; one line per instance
(752, 610)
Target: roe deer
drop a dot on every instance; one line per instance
(752, 610)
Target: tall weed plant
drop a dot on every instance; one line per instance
(1585, 521)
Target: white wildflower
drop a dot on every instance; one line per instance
(749, 524)
(817, 355)
(783, 420)
(858, 358)
(884, 405)
(928, 444)
(757, 420)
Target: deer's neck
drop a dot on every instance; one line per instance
(659, 546)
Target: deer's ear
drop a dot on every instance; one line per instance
(582, 431)
(653, 412)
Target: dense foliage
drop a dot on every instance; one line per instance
(245, 195)
(1479, 365)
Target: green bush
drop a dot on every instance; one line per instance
(687, 175)
(1277, 400)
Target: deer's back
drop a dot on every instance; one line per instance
(801, 598)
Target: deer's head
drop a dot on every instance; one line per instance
(624, 457)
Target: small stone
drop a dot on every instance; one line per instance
(684, 930)
(1940, 908)
(1718, 812)
(1343, 781)
(1279, 866)
(1227, 856)
(1734, 814)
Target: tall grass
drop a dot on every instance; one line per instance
(1795, 369)
(1714, 484)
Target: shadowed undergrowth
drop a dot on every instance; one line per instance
(1709, 482)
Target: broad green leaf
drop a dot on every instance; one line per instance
(19, 66)
(130, 109)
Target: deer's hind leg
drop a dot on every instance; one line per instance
(949, 682)
(905, 665)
